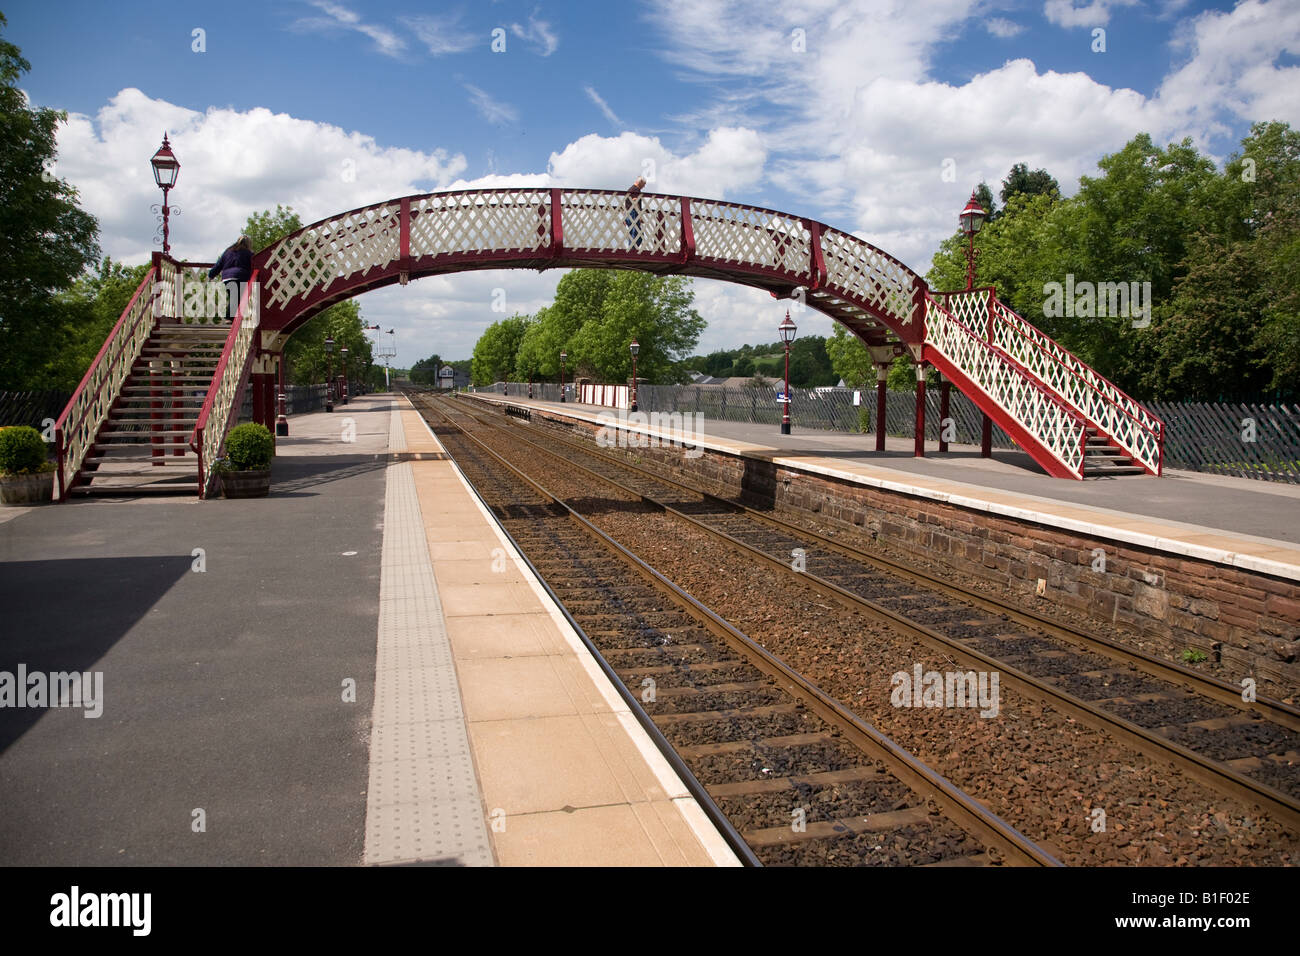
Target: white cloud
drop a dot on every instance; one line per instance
(1096, 14)
(494, 111)
(233, 163)
(441, 35)
(1231, 70)
(337, 16)
(539, 34)
(601, 105)
(728, 160)
(1002, 28)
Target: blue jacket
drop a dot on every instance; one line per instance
(233, 264)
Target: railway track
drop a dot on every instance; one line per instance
(803, 780)
(1247, 750)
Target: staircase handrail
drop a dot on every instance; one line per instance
(1144, 436)
(1059, 428)
(90, 404)
(226, 393)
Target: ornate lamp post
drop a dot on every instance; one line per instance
(971, 219)
(343, 386)
(329, 373)
(563, 355)
(166, 168)
(787, 330)
(634, 348)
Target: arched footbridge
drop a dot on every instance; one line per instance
(174, 377)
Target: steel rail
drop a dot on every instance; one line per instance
(927, 783)
(1224, 779)
(1217, 689)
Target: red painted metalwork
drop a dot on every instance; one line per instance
(918, 444)
(945, 387)
(688, 233)
(882, 403)
(686, 257)
(557, 224)
(986, 437)
(404, 239)
(817, 267)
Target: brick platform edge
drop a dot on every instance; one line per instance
(1247, 620)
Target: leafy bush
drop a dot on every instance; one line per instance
(249, 447)
(1192, 656)
(22, 451)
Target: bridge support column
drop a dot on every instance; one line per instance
(944, 388)
(918, 450)
(986, 438)
(882, 404)
(281, 413)
(263, 385)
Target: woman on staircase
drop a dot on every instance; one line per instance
(235, 266)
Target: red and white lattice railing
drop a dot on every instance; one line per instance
(567, 227)
(1053, 432)
(88, 409)
(1112, 412)
(226, 393)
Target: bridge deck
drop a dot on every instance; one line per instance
(227, 736)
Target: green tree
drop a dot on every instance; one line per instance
(654, 310)
(849, 358)
(579, 298)
(496, 350)
(1021, 182)
(266, 227)
(91, 307)
(48, 240)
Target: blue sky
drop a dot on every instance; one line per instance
(846, 112)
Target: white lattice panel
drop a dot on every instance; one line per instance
(498, 221)
(866, 273)
(1060, 429)
(598, 221)
(339, 248)
(1099, 400)
(748, 236)
(970, 308)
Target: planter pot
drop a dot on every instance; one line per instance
(246, 484)
(27, 489)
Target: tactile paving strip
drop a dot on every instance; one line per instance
(396, 433)
(423, 803)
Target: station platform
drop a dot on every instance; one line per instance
(1251, 525)
(358, 669)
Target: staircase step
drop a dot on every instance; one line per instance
(148, 433)
(164, 381)
(189, 489)
(188, 458)
(1091, 471)
(145, 414)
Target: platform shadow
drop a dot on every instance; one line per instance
(295, 474)
(64, 615)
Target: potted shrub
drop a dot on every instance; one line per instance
(26, 473)
(246, 469)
